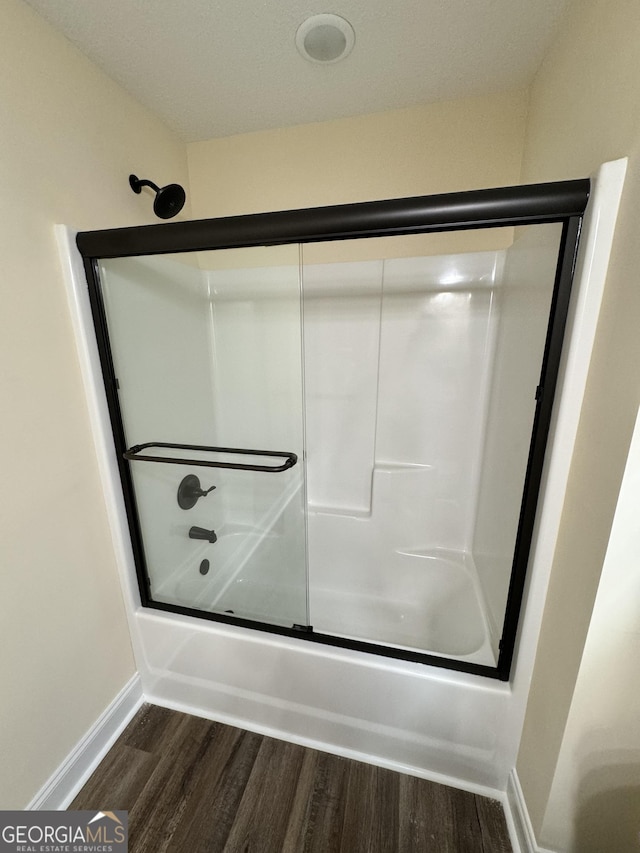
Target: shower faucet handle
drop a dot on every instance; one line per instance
(189, 491)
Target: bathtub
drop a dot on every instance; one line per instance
(360, 586)
(434, 605)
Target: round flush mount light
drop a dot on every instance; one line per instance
(325, 39)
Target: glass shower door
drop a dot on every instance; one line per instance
(206, 351)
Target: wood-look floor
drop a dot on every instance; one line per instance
(194, 786)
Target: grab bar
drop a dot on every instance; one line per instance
(133, 453)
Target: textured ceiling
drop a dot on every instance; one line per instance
(213, 68)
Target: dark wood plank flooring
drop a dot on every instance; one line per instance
(194, 786)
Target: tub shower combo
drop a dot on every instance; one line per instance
(330, 424)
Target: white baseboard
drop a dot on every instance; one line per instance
(60, 789)
(518, 819)
(290, 736)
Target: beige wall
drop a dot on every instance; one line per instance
(594, 804)
(585, 109)
(443, 147)
(68, 141)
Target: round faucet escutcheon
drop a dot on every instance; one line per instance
(190, 491)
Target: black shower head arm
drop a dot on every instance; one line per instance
(136, 184)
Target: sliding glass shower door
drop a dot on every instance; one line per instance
(207, 370)
(432, 338)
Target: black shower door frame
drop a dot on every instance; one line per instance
(560, 202)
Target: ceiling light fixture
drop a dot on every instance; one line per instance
(325, 39)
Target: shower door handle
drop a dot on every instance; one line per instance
(134, 454)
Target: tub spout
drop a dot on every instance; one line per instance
(201, 533)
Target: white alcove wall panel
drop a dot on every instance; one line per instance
(434, 348)
(158, 319)
(341, 336)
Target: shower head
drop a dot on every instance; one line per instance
(169, 200)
